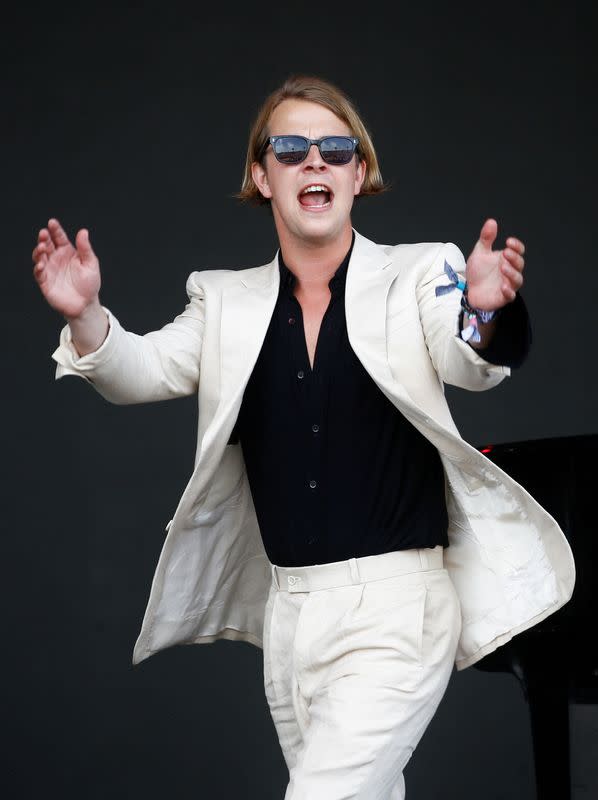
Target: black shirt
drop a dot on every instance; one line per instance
(335, 470)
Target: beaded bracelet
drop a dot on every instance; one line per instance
(473, 314)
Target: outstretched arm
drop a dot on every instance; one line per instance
(69, 278)
(493, 278)
(122, 366)
(454, 360)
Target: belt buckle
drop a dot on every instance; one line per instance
(294, 583)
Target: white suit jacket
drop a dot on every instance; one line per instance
(510, 562)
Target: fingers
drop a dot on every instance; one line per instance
(48, 239)
(39, 272)
(44, 246)
(509, 293)
(83, 245)
(57, 233)
(512, 267)
(516, 244)
(40, 254)
(488, 233)
(513, 259)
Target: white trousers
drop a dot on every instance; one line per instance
(357, 657)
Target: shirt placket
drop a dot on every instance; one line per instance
(310, 390)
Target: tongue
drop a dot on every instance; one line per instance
(314, 198)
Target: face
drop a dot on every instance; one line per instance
(297, 218)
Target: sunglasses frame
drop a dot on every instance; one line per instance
(318, 142)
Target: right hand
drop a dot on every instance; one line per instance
(69, 277)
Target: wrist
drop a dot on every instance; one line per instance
(476, 317)
(470, 309)
(90, 311)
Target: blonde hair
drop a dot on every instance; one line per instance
(316, 90)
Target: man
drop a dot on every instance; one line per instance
(330, 478)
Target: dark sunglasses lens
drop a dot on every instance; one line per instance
(337, 149)
(290, 149)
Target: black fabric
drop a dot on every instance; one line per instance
(512, 339)
(377, 484)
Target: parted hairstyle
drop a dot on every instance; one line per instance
(316, 90)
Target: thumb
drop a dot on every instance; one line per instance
(488, 233)
(83, 245)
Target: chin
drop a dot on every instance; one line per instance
(308, 226)
(321, 226)
(319, 233)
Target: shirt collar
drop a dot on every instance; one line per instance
(336, 283)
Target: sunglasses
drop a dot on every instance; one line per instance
(294, 149)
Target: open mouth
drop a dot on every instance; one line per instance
(316, 197)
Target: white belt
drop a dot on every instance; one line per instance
(356, 570)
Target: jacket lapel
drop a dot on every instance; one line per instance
(366, 300)
(247, 308)
(248, 305)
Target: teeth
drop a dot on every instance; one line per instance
(318, 188)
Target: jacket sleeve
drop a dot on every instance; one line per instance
(129, 368)
(512, 338)
(455, 361)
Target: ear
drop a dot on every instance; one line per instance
(260, 178)
(360, 176)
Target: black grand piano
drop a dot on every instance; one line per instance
(556, 661)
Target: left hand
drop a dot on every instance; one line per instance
(494, 276)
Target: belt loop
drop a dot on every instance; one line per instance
(423, 558)
(354, 569)
(274, 575)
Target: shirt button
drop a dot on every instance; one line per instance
(311, 540)
(312, 484)
(300, 374)
(291, 320)
(315, 428)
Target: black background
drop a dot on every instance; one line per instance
(133, 122)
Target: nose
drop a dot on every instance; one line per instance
(313, 160)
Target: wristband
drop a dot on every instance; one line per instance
(473, 314)
(483, 316)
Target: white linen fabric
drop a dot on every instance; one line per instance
(355, 672)
(508, 560)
